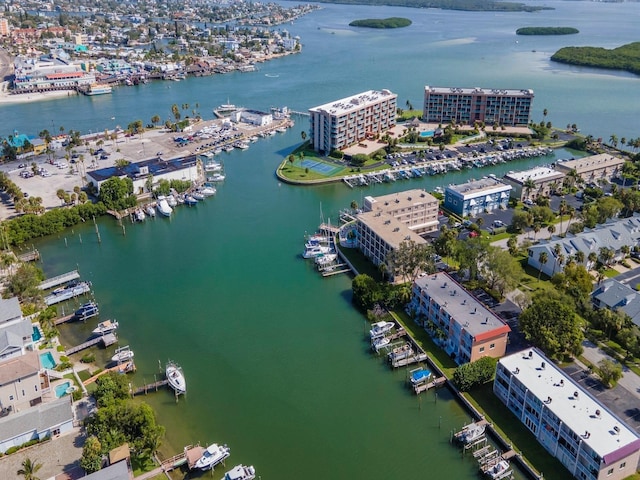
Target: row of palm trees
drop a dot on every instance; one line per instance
(633, 143)
(605, 255)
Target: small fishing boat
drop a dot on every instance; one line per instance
(470, 433)
(105, 327)
(190, 200)
(198, 195)
(140, 216)
(175, 377)
(420, 375)
(400, 353)
(212, 456)
(380, 342)
(380, 328)
(171, 200)
(240, 472)
(208, 191)
(123, 354)
(150, 211)
(216, 177)
(163, 206)
(87, 310)
(498, 471)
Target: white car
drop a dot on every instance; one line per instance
(45, 173)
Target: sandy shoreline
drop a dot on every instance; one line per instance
(6, 98)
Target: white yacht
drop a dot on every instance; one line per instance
(212, 456)
(150, 211)
(107, 326)
(175, 377)
(171, 200)
(315, 250)
(240, 472)
(380, 328)
(208, 191)
(163, 206)
(123, 354)
(216, 177)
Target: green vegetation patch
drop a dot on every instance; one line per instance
(464, 5)
(626, 57)
(392, 22)
(547, 31)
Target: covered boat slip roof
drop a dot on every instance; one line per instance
(599, 428)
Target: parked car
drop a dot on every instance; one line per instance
(498, 223)
(22, 165)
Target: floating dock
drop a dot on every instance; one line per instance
(108, 339)
(59, 280)
(68, 293)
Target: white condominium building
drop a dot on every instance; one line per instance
(342, 123)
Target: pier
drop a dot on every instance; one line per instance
(59, 280)
(108, 339)
(65, 319)
(122, 368)
(403, 362)
(149, 387)
(438, 382)
(31, 256)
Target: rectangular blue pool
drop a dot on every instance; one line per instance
(428, 133)
(46, 359)
(61, 390)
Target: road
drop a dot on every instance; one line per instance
(6, 65)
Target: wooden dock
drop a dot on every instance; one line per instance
(59, 280)
(108, 339)
(31, 256)
(122, 368)
(438, 382)
(150, 387)
(65, 319)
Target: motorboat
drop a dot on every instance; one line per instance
(470, 433)
(140, 216)
(171, 200)
(380, 328)
(198, 195)
(420, 375)
(163, 206)
(314, 251)
(150, 211)
(325, 259)
(107, 326)
(216, 177)
(499, 470)
(175, 377)
(190, 200)
(212, 456)
(240, 472)
(380, 342)
(400, 353)
(123, 354)
(212, 167)
(87, 310)
(208, 191)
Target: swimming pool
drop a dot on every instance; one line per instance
(36, 335)
(428, 133)
(47, 361)
(61, 390)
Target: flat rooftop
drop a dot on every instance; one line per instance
(156, 166)
(480, 91)
(485, 186)
(592, 162)
(582, 413)
(538, 174)
(354, 102)
(466, 309)
(392, 231)
(394, 201)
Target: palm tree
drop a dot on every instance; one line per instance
(562, 209)
(556, 251)
(528, 185)
(29, 469)
(593, 258)
(551, 229)
(579, 256)
(536, 229)
(613, 140)
(542, 259)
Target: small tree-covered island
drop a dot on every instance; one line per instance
(392, 22)
(547, 31)
(625, 57)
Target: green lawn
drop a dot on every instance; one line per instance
(361, 263)
(611, 272)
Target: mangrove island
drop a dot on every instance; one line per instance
(547, 31)
(392, 22)
(625, 57)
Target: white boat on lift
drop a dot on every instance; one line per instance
(240, 472)
(123, 354)
(105, 327)
(175, 377)
(212, 456)
(380, 328)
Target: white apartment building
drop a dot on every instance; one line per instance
(342, 123)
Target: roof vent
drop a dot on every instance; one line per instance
(575, 394)
(543, 365)
(548, 400)
(598, 413)
(530, 353)
(617, 430)
(516, 371)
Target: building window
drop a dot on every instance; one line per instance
(481, 349)
(492, 346)
(10, 397)
(610, 472)
(623, 465)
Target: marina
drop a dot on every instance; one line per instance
(59, 280)
(63, 294)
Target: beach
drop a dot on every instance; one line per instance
(6, 98)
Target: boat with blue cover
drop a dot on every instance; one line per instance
(87, 310)
(420, 375)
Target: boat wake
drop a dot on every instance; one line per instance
(271, 75)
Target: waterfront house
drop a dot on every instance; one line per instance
(476, 197)
(415, 208)
(345, 122)
(457, 321)
(614, 295)
(21, 382)
(612, 236)
(116, 471)
(533, 183)
(46, 420)
(15, 331)
(584, 435)
(466, 106)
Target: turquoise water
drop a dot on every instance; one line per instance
(36, 335)
(46, 359)
(428, 133)
(275, 356)
(61, 390)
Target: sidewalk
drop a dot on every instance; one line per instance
(629, 381)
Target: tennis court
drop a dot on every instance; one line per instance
(320, 167)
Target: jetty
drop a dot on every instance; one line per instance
(59, 280)
(149, 387)
(31, 256)
(403, 362)
(122, 368)
(107, 340)
(65, 319)
(438, 382)
(68, 293)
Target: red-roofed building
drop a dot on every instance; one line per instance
(456, 320)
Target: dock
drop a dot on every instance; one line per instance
(31, 256)
(108, 339)
(424, 387)
(415, 358)
(65, 319)
(68, 293)
(149, 387)
(122, 368)
(59, 280)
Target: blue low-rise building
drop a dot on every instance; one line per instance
(477, 196)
